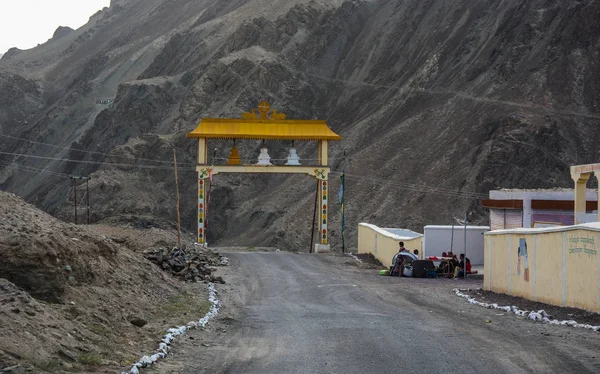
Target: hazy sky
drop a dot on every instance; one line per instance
(27, 23)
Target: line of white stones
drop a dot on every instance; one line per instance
(173, 333)
(540, 315)
(354, 257)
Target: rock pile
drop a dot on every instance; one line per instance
(192, 264)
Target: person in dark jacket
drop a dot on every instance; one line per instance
(398, 261)
(460, 272)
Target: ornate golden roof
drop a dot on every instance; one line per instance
(263, 123)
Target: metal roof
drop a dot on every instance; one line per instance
(237, 128)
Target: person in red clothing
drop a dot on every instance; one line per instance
(461, 266)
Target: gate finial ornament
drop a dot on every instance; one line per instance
(263, 112)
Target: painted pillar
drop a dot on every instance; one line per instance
(598, 199)
(323, 221)
(203, 175)
(202, 151)
(322, 176)
(580, 196)
(323, 156)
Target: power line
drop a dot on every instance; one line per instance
(32, 169)
(88, 152)
(86, 161)
(360, 178)
(423, 190)
(141, 159)
(415, 188)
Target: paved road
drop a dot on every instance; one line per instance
(302, 314)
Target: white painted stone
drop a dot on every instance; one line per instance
(264, 158)
(293, 159)
(322, 248)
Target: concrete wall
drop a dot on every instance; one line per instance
(437, 240)
(560, 266)
(383, 244)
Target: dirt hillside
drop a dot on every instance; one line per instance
(70, 295)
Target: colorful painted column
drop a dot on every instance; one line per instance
(323, 198)
(203, 176)
(323, 225)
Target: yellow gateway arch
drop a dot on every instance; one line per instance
(263, 123)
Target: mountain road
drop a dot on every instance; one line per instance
(299, 313)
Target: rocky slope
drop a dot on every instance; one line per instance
(72, 299)
(437, 102)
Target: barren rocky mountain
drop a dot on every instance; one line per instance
(437, 102)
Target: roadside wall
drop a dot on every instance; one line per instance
(383, 244)
(558, 266)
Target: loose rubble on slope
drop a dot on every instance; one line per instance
(193, 263)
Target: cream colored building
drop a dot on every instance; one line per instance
(555, 265)
(558, 265)
(383, 243)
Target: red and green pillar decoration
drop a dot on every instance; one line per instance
(324, 188)
(203, 176)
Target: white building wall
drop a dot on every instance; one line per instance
(438, 239)
(528, 195)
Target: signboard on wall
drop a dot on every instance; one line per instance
(582, 244)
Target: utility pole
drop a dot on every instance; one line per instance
(87, 188)
(341, 199)
(87, 192)
(75, 205)
(465, 262)
(452, 235)
(177, 188)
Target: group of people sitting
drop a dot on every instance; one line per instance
(456, 267)
(453, 266)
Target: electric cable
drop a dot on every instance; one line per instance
(89, 152)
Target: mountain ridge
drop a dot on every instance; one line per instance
(437, 104)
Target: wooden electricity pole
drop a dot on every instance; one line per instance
(87, 193)
(177, 193)
(74, 178)
(75, 201)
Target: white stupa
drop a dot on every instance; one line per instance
(293, 159)
(264, 158)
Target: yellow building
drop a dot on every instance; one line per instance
(558, 265)
(383, 243)
(554, 265)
